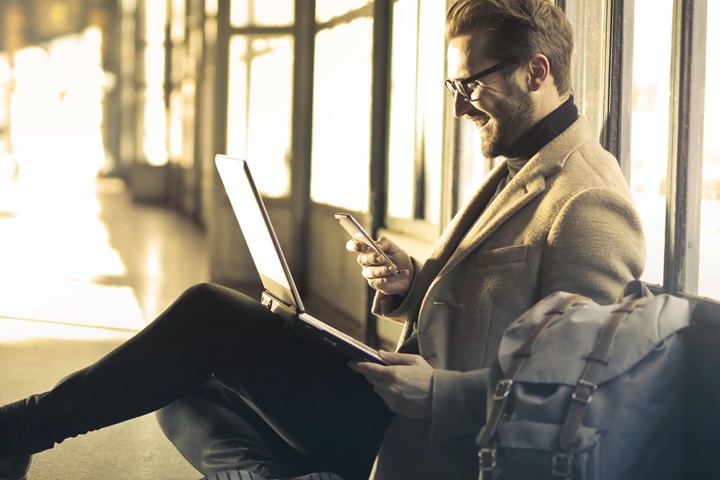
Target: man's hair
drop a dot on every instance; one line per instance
(518, 29)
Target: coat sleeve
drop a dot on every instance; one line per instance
(395, 307)
(458, 405)
(594, 247)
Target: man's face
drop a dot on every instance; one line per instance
(500, 108)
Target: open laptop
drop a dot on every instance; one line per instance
(280, 294)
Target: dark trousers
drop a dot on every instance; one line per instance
(240, 391)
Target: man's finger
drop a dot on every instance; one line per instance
(373, 373)
(366, 367)
(395, 358)
(356, 246)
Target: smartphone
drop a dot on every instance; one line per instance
(356, 231)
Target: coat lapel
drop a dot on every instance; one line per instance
(510, 200)
(452, 235)
(522, 189)
(454, 245)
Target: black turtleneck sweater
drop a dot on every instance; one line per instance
(536, 138)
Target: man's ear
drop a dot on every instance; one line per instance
(539, 71)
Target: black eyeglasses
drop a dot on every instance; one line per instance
(462, 85)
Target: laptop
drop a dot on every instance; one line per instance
(280, 293)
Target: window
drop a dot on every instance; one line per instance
(153, 133)
(673, 157)
(259, 108)
(326, 10)
(403, 94)
(650, 121)
(417, 113)
(245, 13)
(589, 20)
(178, 105)
(709, 265)
(342, 99)
(260, 85)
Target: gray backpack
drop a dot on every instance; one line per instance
(588, 392)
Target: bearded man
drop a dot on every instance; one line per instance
(237, 391)
(556, 214)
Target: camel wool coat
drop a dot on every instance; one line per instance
(565, 222)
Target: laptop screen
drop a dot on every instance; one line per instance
(257, 230)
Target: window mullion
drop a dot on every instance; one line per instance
(382, 41)
(616, 132)
(686, 147)
(419, 160)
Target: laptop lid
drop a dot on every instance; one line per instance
(271, 264)
(259, 234)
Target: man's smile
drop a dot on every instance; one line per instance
(479, 118)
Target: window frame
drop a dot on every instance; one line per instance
(684, 175)
(682, 260)
(368, 11)
(417, 226)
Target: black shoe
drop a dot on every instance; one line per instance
(15, 468)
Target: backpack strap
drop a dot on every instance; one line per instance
(488, 452)
(586, 386)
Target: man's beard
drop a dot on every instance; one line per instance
(508, 124)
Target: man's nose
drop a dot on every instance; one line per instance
(460, 105)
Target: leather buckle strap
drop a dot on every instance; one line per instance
(587, 384)
(502, 389)
(487, 458)
(584, 391)
(562, 465)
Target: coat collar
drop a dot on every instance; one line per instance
(529, 182)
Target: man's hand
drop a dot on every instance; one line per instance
(405, 385)
(380, 276)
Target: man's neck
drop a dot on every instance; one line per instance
(548, 103)
(552, 125)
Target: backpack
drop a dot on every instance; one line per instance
(588, 392)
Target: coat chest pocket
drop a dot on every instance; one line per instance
(503, 256)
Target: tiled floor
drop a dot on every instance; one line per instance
(82, 268)
(80, 250)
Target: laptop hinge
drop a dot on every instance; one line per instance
(279, 308)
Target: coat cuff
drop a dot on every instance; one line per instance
(394, 307)
(459, 402)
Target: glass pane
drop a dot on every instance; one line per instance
(154, 126)
(709, 282)
(260, 108)
(154, 121)
(431, 96)
(175, 125)
(341, 115)
(650, 125)
(5, 89)
(417, 99)
(177, 22)
(403, 79)
(211, 8)
(264, 13)
(590, 61)
(472, 165)
(328, 9)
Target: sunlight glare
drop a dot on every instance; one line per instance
(60, 276)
